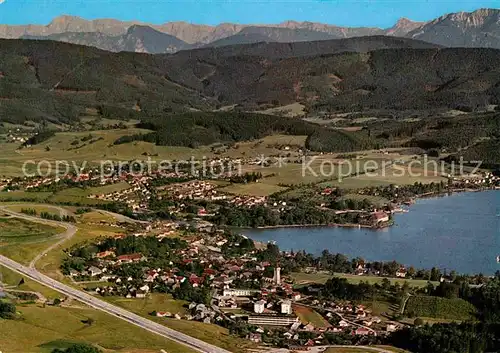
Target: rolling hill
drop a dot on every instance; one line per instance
(52, 81)
(254, 34)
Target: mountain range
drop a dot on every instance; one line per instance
(480, 28)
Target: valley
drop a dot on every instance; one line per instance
(249, 188)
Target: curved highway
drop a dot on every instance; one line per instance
(94, 302)
(70, 230)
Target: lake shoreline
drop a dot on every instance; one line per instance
(376, 227)
(458, 232)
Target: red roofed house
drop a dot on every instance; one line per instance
(195, 280)
(327, 191)
(380, 217)
(401, 272)
(363, 331)
(101, 255)
(130, 258)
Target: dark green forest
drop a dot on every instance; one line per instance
(201, 129)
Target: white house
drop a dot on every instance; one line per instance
(259, 307)
(286, 307)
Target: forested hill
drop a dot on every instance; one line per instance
(274, 50)
(43, 80)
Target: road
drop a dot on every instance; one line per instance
(123, 314)
(70, 231)
(319, 349)
(32, 273)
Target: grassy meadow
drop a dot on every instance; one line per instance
(16, 230)
(210, 333)
(439, 308)
(309, 316)
(42, 329)
(302, 278)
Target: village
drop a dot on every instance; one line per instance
(228, 277)
(181, 249)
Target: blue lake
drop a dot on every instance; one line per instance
(457, 232)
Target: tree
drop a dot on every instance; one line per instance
(429, 289)
(447, 290)
(435, 274)
(78, 348)
(386, 284)
(405, 287)
(7, 310)
(411, 272)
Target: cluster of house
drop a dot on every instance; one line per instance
(275, 307)
(193, 190)
(248, 201)
(136, 197)
(18, 136)
(205, 250)
(4, 182)
(39, 182)
(271, 304)
(361, 270)
(356, 318)
(206, 190)
(480, 179)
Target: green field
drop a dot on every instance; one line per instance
(378, 201)
(308, 315)
(24, 196)
(16, 230)
(22, 240)
(252, 189)
(75, 196)
(376, 279)
(210, 333)
(107, 189)
(38, 208)
(43, 329)
(154, 302)
(302, 278)
(439, 308)
(72, 195)
(363, 350)
(13, 280)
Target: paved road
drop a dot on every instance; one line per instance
(96, 303)
(123, 314)
(319, 349)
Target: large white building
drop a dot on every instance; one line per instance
(286, 307)
(269, 320)
(238, 292)
(259, 306)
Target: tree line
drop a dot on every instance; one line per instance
(49, 216)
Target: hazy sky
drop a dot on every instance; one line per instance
(378, 13)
